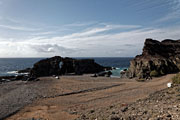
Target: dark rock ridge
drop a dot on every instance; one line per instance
(25, 71)
(158, 58)
(59, 66)
(12, 78)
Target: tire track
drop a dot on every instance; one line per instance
(85, 91)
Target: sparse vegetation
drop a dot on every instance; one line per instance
(154, 73)
(176, 79)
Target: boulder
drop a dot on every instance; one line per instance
(157, 59)
(123, 73)
(104, 73)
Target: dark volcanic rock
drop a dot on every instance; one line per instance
(87, 66)
(60, 66)
(12, 78)
(46, 67)
(27, 70)
(104, 73)
(158, 58)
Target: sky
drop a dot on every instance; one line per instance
(84, 28)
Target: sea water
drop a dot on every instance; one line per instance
(10, 66)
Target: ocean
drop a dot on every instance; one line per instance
(9, 66)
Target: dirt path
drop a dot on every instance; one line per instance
(72, 96)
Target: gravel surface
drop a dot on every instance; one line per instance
(15, 95)
(162, 105)
(81, 97)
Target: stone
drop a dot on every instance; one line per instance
(114, 118)
(168, 115)
(124, 109)
(92, 111)
(169, 85)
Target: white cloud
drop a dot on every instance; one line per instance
(88, 43)
(94, 40)
(96, 30)
(44, 33)
(25, 49)
(51, 49)
(77, 24)
(17, 28)
(174, 12)
(82, 39)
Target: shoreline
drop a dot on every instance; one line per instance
(74, 95)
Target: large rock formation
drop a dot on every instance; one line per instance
(158, 58)
(60, 66)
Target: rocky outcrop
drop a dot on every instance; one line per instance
(87, 66)
(60, 66)
(12, 78)
(103, 74)
(158, 58)
(46, 67)
(25, 71)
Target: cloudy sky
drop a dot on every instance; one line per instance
(84, 28)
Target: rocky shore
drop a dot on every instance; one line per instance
(41, 94)
(20, 90)
(57, 66)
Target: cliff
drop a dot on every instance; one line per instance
(157, 59)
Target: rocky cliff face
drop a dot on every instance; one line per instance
(158, 58)
(60, 66)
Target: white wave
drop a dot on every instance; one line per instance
(114, 76)
(12, 72)
(16, 73)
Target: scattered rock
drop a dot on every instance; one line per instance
(124, 109)
(113, 112)
(92, 111)
(168, 115)
(158, 106)
(114, 118)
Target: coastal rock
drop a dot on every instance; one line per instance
(157, 59)
(123, 73)
(59, 66)
(27, 70)
(87, 66)
(46, 67)
(11, 78)
(103, 73)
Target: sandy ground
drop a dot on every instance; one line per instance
(72, 96)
